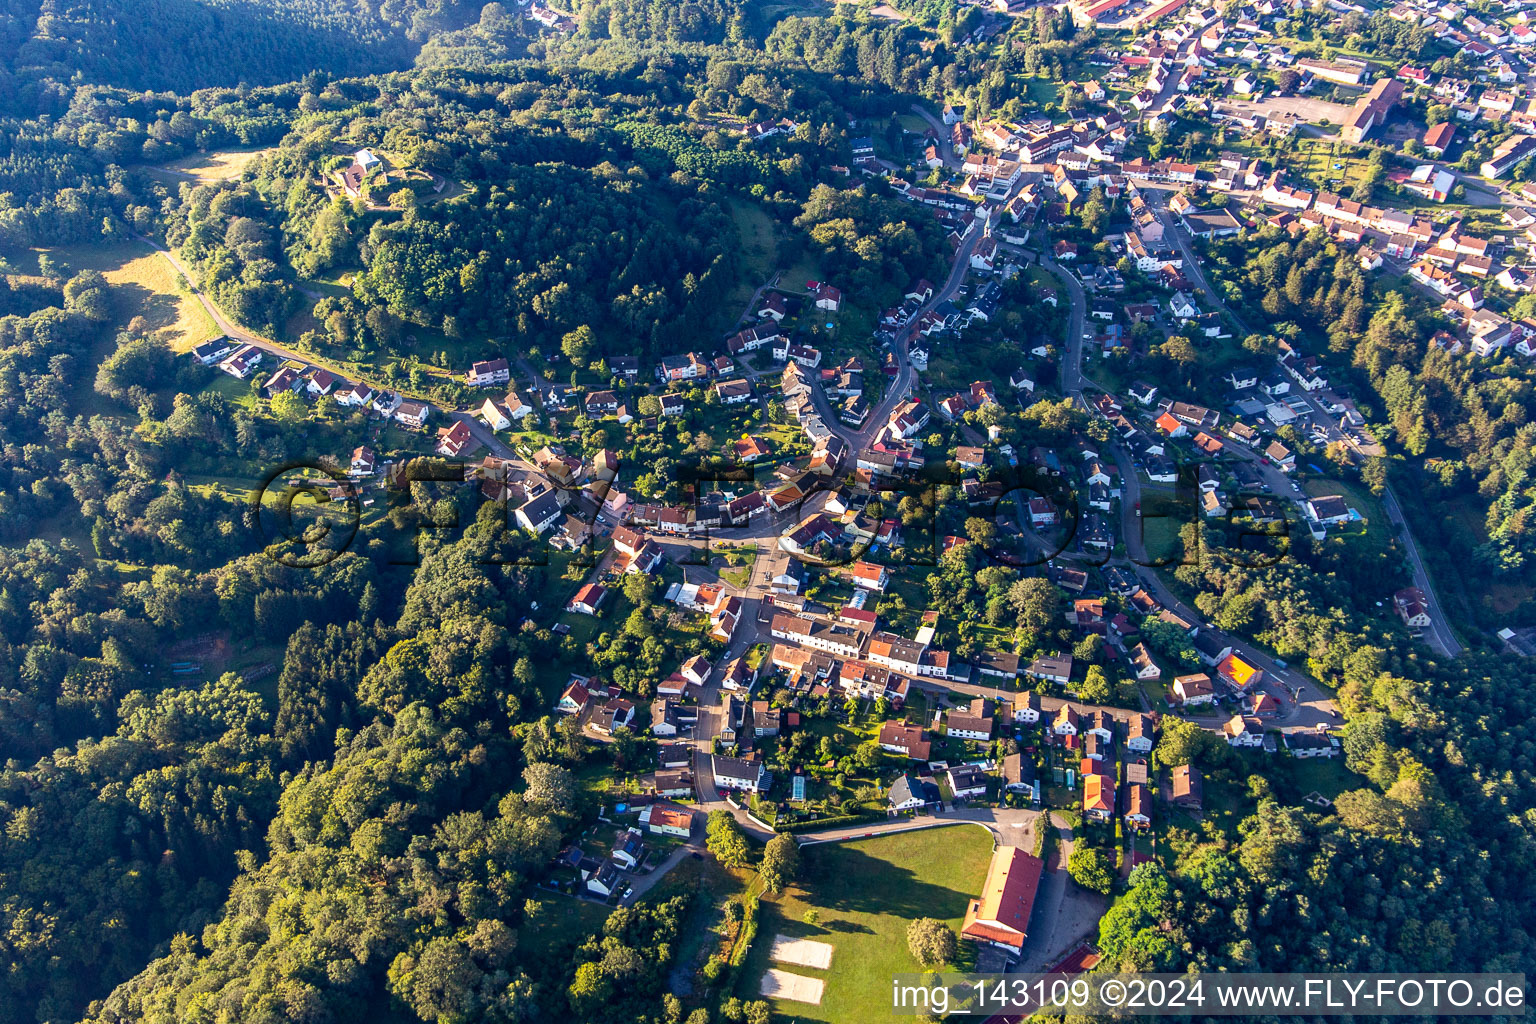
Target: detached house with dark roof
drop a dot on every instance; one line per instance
(487, 373)
(909, 794)
(539, 513)
(739, 774)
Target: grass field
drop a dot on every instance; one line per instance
(144, 284)
(761, 257)
(1324, 775)
(1315, 158)
(238, 488)
(767, 13)
(759, 247)
(1042, 91)
(221, 165)
(1227, 803)
(561, 924)
(865, 894)
(1160, 533)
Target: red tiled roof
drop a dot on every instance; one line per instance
(1007, 898)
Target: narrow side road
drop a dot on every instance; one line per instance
(1439, 636)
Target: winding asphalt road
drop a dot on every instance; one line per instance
(228, 326)
(1439, 636)
(901, 386)
(1316, 709)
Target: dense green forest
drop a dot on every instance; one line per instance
(184, 45)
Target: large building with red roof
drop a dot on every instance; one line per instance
(1001, 915)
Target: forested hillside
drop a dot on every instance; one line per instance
(130, 805)
(1462, 430)
(183, 45)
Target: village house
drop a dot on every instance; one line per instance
(909, 741)
(452, 441)
(1098, 797)
(1306, 744)
(973, 723)
(739, 774)
(1241, 731)
(1138, 806)
(966, 782)
(243, 362)
(910, 794)
(588, 599)
(1026, 709)
(359, 396)
(1238, 673)
(412, 414)
(488, 373)
(210, 352)
(1187, 788)
(629, 849)
(1143, 665)
(1194, 689)
(1413, 607)
(538, 513)
(1140, 736)
(668, 820)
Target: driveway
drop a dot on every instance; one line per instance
(1065, 913)
(639, 885)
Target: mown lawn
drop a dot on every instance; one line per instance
(865, 894)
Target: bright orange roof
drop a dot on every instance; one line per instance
(1168, 423)
(1007, 898)
(1237, 670)
(1098, 793)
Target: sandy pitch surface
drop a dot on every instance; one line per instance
(804, 952)
(779, 984)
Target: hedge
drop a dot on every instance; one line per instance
(748, 930)
(837, 821)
